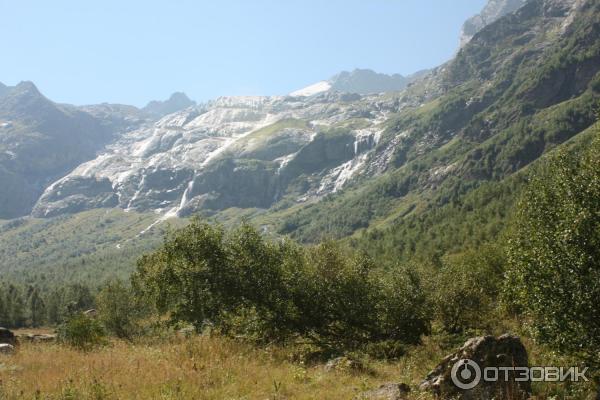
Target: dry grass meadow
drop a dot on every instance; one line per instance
(195, 368)
(218, 368)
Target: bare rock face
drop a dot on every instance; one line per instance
(388, 391)
(457, 375)
(7, 337)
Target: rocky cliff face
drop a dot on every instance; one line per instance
(232, 152)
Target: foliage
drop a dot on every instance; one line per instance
(82, 332)
(554, 252)
(265, 290)
(118, 310)
(466, 287)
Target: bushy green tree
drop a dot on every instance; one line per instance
(554, 253)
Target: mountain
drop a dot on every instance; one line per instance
(361, 81)
(3, 89)
(41, 141)
(492, 11)
(522, 86)
(232, 152)
(177, 101)
(395, 173)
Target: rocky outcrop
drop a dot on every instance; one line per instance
(74, 195)
(459, 375)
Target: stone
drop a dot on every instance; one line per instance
(7, 349)
(388, 391)
(343, 364)
(477, 354)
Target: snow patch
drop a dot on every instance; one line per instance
(313, 89)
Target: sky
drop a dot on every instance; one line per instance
(131, 52)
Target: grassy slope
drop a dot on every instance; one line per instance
(88, 246)
(503, 110)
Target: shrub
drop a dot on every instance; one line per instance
(82, 332)
(466, 288)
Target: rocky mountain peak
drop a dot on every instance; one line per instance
(366, 81)
(25, 101)
(493, 10)
(178, 101)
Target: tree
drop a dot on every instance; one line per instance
(276, 290)
(37, 307)
(118, 310)
(554, 253)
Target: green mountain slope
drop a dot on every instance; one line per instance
(522, 86)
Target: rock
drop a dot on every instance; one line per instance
(477, 354)
(36, 338)
(7, 349)
(7, 337)
(92, 313)
(44, 338)
(388, 391)
(187, 332)
(343, 364)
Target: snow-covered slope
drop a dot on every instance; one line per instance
(313, 89)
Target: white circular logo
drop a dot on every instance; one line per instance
(466, 374)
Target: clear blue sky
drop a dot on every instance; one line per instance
(84, 52)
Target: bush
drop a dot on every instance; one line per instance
(466, 288)
(82, 332)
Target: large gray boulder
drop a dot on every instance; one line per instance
(453, 376)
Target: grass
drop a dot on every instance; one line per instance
(218, 368)
(195, 368)
(98, 243)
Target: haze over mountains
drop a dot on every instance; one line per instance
(360, 152)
